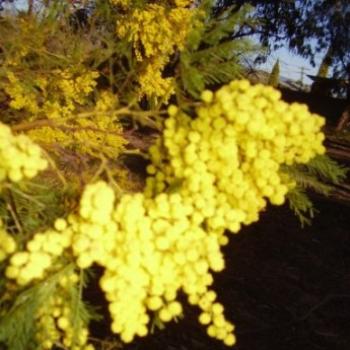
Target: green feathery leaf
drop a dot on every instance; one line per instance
(301, 205)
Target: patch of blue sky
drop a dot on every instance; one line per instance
(292, 66)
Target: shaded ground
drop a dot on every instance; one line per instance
(284, 287)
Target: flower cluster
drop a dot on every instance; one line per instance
(56, 322)
(75, 88)
(19, 156)
(160, 249)
(228, 159)
(7, 243)
(156, 31)
(40, 255)
(150, 249)
(207, 174)
(97, 132)
(93, 231)
(92, 137)
(90, 235)
(62, 91)
(21, 95)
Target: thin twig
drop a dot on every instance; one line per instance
(53, 122)
(302, 318)
(12, 209)
(58, 172)
(324, 301)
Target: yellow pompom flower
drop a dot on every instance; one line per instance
(7, 243)
(156, 31)
(19, 157)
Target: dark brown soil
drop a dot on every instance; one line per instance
(284, 287)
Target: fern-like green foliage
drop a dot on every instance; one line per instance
(32, 206)
(327, 169)
(17, 321)
(301, 205)
(17, 325)
(211, 57)
(319, 175)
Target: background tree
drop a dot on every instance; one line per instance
(275, 75)
(307, 27)
(323, 71)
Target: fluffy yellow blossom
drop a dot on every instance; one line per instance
(151, 81)
(21, 95)
(232, 152)
(39, 257)
(7, 243)
(93, 136)
(63, 90)
(159, 251)
(107, 101)
(150, 250)
(207, 174)
(56, 321)
(19, 156)
(156, 31)
(75, 88)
